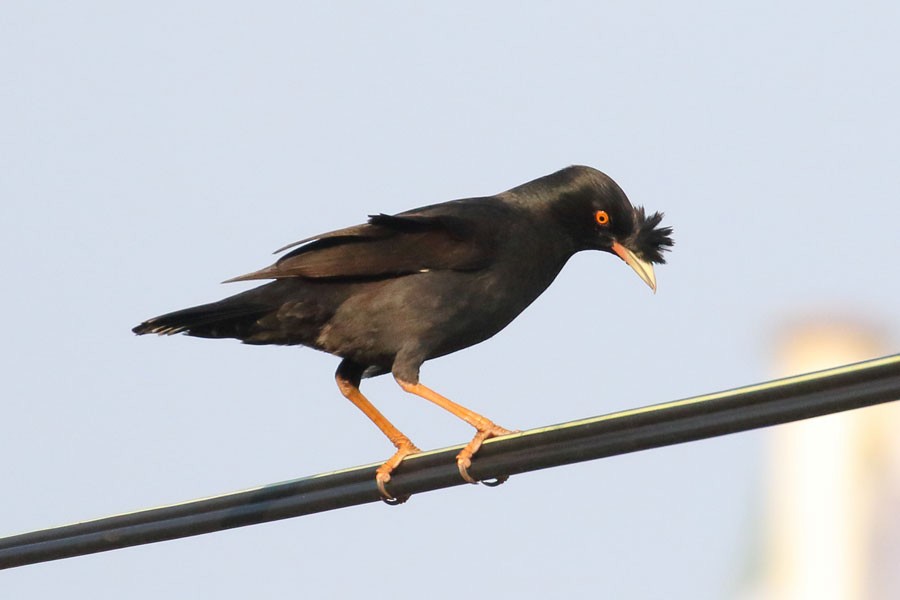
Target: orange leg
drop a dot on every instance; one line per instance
(486, 428)
(350, 390)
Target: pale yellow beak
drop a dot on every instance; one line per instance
(643, 268)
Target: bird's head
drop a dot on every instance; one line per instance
(597, 215)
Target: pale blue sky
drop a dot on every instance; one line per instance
(149, 151)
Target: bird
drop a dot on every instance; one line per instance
(389, 294)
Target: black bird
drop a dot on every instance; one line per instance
(387, 295)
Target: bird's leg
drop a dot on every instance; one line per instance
(486, 428)
(349, 387)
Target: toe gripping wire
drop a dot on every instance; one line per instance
(348, 378)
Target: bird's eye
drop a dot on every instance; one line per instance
(601, 217)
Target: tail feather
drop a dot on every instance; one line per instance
(216, 320)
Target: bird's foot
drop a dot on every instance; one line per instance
(383, 473)
(464, 458)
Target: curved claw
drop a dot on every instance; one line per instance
(383, 473)
(380, 480)
(463, 465)
(464, 458)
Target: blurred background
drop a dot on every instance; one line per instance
(149, 151)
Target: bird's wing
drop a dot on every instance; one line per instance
(388, 246)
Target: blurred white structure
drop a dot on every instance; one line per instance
(833, 526)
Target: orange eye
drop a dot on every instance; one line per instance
(601, 217)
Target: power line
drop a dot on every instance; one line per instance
(801, 397)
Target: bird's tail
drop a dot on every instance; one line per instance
(224, 319)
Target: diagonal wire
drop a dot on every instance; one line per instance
(771, 403)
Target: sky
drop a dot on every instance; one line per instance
(150, 151)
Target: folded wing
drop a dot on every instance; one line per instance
(387, 246)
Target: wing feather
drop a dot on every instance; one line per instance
(387, 246)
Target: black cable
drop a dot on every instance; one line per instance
(844, 388)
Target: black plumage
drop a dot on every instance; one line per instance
(392, 293)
